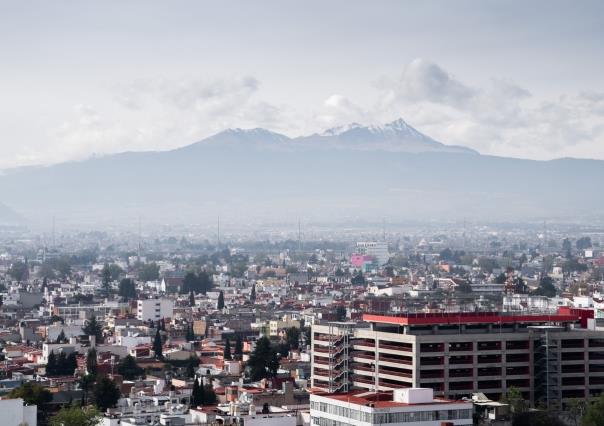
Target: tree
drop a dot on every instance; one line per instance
(263, 362)
(195, 394)
(93, 328)
(129, 369)
(157, 345)
(221, 300)
(227, 350)
(149, 272)
(583, 243)
(536, 418)
(253, 294)
(106, 279)
(115, 271)
(62, 363)
(566, 245)
(51, 364)
(192, 364)
(238, 347)
(127, 289)
(106, 394)
(76, 416)
(209, 396)
(198, 283)
(86, 382)
(358, 279)
(19, 271)
(91, 362)
(61, 337)
(546, 287)
(191, 299)
(190, 333)
(594, 416)
(341, 313)
(292, 336)
(517, 403)
(71, 364)
(32, 394)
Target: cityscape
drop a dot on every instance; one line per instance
(336, 213)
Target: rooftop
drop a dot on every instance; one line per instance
(562, 315)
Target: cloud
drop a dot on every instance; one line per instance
(501, 118)
(423, 80)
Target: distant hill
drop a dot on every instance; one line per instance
(353, 172)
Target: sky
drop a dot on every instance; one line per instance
(509, 78)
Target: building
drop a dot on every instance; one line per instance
(379, 250)
(15, 413)
(411, 406)
(154, 309)
(548, 357)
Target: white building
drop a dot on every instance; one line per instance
(154, 309)
(405, 407)
(379, 250)
(15, 413)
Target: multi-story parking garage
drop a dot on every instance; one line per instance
(549, 357)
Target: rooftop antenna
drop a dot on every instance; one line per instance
(384, 229)
(464, 233)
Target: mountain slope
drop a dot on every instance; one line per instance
(252, 175)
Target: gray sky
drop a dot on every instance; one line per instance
(512, 78)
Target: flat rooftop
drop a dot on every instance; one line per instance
(471, 318)
(381, 399)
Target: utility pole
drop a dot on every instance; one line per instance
(218, 231)
(299, 236)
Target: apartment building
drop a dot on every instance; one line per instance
(549, 357)
(376, 249)
(154, 309)
(402, 407)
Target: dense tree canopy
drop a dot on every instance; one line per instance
(263, 361)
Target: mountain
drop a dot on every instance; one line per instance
(397, 136)
(343, 174)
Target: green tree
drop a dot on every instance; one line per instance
(341, 313)
(91, 362)
(263, 362)
(292, 336)
(227, 350)
(195, 394)
(192, 364)
(358, 279)
(594, 416)
(546, 287)
(238, 347)
(501, 278)
(106, 279)
(94, 328)
(129, 369)
(51, 364)
(76, 416)
(86, 382)
(32, 394)
(116, 272)
(253, 294)
(583, 243)
(19, 271)
(157, 345)
(61, 337)
(516, 401)
(191, 299)
(190, 333)
(149, 272)
(127, 289)
(220, 300)
(106, 394)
